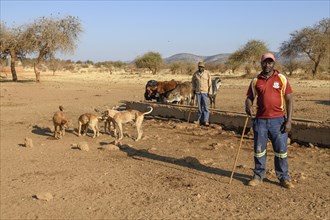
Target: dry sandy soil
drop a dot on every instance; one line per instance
(177, 170)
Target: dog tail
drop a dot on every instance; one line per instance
(148, 111)
(61, 108)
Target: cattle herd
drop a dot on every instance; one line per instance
(177, 92)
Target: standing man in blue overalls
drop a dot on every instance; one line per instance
(273, 95)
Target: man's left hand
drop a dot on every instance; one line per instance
(287, 127)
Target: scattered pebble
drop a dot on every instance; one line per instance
(45, 196)
(242, 166)
(301, 176)
(28, 142)
(207, 161)
(191, 160)
(83, 146)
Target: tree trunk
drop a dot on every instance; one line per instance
(36, 71)
(13, 70)
(12, 65)
(314, 70)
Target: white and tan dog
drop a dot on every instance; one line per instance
(60, 123)
(130, 115)
(107, 117)
(86, 121)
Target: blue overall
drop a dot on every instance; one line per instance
(203, 107)
(270, 128)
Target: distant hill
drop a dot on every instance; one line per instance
(219, 58)
(184, 57)
(187, 57)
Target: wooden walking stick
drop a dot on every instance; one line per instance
(189, 116)
(240, 144)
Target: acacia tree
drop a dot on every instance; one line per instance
(175, 67)
(54, 64)
(45, 36)
(291, 64)
(11, 44)
(233, 62)
(249, 55)
(151, 60)
(312, 41)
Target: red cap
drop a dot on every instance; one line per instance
(266, 56)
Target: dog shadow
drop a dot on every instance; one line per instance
(42, 131)
(189, 162)
(89, 132)
(45, 131)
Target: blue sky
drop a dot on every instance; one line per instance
(123, 30)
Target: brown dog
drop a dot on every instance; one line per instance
(60, 123)
(86, 121)
(123, 117)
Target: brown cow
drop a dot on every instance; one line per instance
(182, 94)
(159, 90)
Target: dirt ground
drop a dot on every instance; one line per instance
(177, 170)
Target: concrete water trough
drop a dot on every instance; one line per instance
(303, 131)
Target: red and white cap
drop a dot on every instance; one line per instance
(268, 56)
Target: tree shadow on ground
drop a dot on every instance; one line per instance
(189, 162)
(322, 102)
(18, 81)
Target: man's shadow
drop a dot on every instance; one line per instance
(190, 162)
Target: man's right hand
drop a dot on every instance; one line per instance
(248, 107)
(248, 111)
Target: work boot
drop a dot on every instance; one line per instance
(207, 124)
(254, 182)
(196, 122)
(286, 184)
